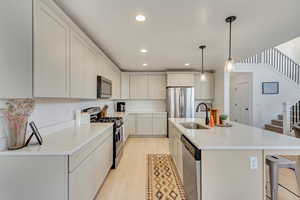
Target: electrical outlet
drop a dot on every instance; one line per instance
(253, 163)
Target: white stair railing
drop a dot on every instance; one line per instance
(279, 61)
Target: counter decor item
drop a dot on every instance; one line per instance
(16, 116)
(223, 119)
(103, 112)
(36, 133)
(215, 114)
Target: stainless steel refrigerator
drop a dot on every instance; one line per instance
(180, 102)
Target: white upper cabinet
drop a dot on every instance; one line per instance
(204, 89)
(16, 49)
(177, 79)
(51, 53)
(125, 81)
(157, 86)
(138, 86)
(116, 82)
(90, 74)
(77, 66)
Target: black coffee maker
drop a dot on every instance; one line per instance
(121, 107)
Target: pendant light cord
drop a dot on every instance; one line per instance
(230, 40)
(202, 63)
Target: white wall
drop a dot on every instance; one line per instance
(291, 49)
(222, 91)
(267, 107)
(52, 114)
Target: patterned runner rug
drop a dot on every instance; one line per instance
(163, 181)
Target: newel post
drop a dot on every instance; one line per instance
(286, 118)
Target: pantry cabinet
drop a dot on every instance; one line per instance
(204, 89)
(51, 53)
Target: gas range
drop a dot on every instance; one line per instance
(118, 136)
(118, 121)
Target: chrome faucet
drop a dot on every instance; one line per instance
(206, 111)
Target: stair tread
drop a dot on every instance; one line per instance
(275, 126)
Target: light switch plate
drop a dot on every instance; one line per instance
(253, 163)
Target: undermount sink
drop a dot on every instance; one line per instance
(193, 125)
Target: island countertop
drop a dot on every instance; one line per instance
(239, 137)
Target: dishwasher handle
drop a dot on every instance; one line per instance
(194, 151)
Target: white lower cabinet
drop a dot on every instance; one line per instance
(61, 176)
(144, 124)
(147, 124)
(84, 181)
(159, 123)
(176, 148)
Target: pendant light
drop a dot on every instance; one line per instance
(202, 76)
(229, 66)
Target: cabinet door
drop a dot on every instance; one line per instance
(160, 124)
(125, 85)
(86, 180)
(77, 66)
(179, 154)
(144, 124)
(116, 78)
(90, 74)
(16, 49)
(157, 86)
(204, 89)
(180, 79)
(138, 86)
(132, 122)
(51, 54)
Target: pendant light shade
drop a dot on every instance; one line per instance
(203, 75)
(229, 65)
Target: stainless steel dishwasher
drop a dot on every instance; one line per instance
(191, 156)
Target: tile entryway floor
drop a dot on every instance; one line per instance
(128, 182)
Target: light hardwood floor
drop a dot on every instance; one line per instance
(128, 181)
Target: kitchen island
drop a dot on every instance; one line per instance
(232, 159)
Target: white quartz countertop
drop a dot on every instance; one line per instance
(64, 142)
(238, 136)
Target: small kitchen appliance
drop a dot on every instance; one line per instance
(121, 107)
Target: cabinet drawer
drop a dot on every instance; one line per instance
(80, 155)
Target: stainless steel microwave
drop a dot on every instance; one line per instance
(104, 88)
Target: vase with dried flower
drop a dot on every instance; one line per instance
(16, 115)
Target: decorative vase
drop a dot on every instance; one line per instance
(16, 131)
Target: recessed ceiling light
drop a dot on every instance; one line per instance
(187, 64)
(145, 64)
(143, 50)
(140, 18)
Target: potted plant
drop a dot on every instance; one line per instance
(223, 119)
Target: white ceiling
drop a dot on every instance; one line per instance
(175, 28)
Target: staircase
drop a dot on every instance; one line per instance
(276, 125)
(290, 70)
